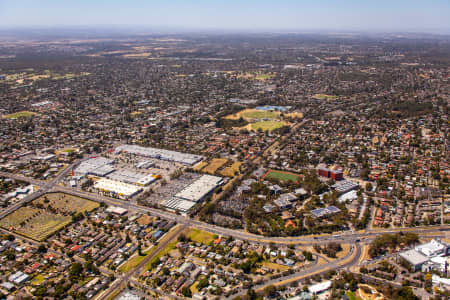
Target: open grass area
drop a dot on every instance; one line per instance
(324, 97)
(231, 170)
(133, 262)
(166, 250)
(214, 165)
(200, 236)
(254, 114)
(20, 114)
(46, 215)
(267, 125)
(274, 266)
(352, 296)
(38, 279)
(282, 176)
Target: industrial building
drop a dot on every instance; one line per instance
(429, 256)
(132, 177)
(193, 193)
(117, 188)
(162, 154)
(198, 190)
(177, 204)
(97, 166)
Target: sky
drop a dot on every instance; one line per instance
(356, 15)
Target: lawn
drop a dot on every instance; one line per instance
(214, 165)
(274, 266)
(133, 262)
(38, 279)
(352, 296)
(20, 114)
(167, 249)
(231, 170)
(282, 176)
(200, 236)
(66, 203)
(267, 125)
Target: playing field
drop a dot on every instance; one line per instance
(200, 236)
(20, 114)
(46, 215)
(248, 114)
(214, 165)
(266, 125)
(231, 170)
(282, 176)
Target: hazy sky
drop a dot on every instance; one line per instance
(410, 15)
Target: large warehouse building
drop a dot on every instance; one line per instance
(97, 166)
(117, 188)
(162, 154)
(193, 193)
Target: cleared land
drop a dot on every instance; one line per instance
(231, 170)
(214, 165)
(46, 215)
(200, 166)
(282, 176)
(20, 114)
(274, 266)
(200, 236)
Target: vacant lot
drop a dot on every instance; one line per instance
(200, 236)
(66, 204)
(214, 165)
(20, 114)
(231, 170)
(46, 215)
(282, 176)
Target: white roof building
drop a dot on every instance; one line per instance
(433, 248)
(196, 191)
(320, 287)
(98, 166)
(162, 154)
(117, 187)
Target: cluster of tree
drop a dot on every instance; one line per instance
(330, 249)
(388, 242)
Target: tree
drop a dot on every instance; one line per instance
(76, 269)
(270, 291)
(186, 291)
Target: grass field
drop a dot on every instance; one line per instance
(20, 114)
(352, 296)
(214, 165)
(200, 236)
(38, 279)
(267, 125)
(274, 266)
(231, 170)
(38, 222)
(254, 114)
(282, 176)
(167, 249)
(324, 97)
(133, 262)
